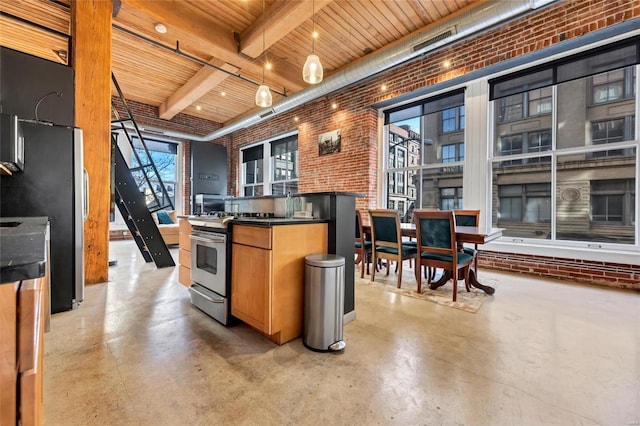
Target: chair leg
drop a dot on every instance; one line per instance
(475, 264)
(418, 273)
(363, 261)
(399, 265)
(373, 272)
(466, 276)
(455, 285)
(368, 256)
(388, 266)
(430, 274)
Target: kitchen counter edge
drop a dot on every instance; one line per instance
(23, 249)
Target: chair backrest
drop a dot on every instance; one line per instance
(435, 231)
(385, 227)
(359, 233)
(467, 217)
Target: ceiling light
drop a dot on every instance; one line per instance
(263, 96)
(312, 70)
(198, 108)
(161, 28)
(383, 87)
(334, 105)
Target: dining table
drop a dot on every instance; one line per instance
(464, 234)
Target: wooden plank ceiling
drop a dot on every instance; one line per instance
(168, 70)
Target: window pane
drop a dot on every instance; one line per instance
(582, 121)
(416, 151)
(523, 204)
(404, 143)
(441, 188)
(595, 197)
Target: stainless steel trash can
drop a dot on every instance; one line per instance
(324, 302)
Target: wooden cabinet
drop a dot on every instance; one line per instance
(8, 352)
(22, 317)
(268, 273)
(184, 253)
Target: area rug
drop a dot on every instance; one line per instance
(466, 301)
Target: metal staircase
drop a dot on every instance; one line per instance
(139, 190)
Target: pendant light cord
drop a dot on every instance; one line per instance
(264, 22)
(313, 19)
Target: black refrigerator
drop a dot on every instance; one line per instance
(53, 184)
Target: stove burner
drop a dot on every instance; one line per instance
(256, 214)
(222, 215)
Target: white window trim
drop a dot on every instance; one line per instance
(267, 164)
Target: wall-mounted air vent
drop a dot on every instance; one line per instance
(443, 35)
(267, 113)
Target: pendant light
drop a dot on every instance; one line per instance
(263, 95)
(312, 70)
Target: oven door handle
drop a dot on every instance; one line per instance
(208, 240)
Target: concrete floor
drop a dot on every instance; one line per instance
(537, 353)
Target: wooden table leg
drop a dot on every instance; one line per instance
(473, 280)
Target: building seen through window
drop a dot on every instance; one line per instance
(570, 175)
(422, 138)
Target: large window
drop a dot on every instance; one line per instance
(284, 160)
(570, 176)
(278, 175)
(253, 171)
(163, 155)
(420, 139)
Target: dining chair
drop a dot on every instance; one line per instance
(437, 246)
(362, 246)
(387, 240)
(469, 218)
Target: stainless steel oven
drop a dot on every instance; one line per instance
(210, 263)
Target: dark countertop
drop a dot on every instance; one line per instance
(23, 248)
(305, 194)
(273, 221)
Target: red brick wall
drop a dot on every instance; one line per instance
(582, 271)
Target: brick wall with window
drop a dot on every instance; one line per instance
(355, 168)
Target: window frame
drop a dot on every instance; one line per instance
(265, 187)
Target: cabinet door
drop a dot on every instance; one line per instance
(8, 352)
(251, 286)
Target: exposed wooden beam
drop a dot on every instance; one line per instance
(91, 31)
(198, 32)
(277, 22)
(197, 86)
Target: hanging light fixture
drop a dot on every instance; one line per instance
(312, 70)
(263, 95)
